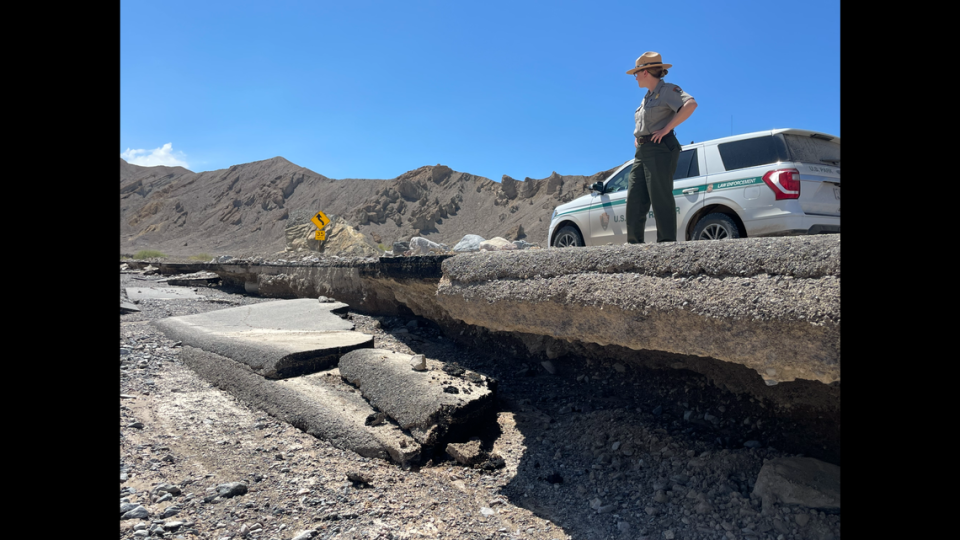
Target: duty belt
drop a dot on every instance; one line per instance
(649, 138)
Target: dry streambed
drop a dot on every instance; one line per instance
(593, 450)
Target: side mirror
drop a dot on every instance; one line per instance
(597, 187)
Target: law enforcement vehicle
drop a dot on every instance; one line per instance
(770, 183)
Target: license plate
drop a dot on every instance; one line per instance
(836, 191)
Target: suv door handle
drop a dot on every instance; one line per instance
(690, 191)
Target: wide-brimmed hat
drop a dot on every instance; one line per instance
(649, 60)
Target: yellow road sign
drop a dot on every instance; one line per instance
(321, 235)
(320, 220)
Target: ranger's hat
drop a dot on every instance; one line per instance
(649, 60)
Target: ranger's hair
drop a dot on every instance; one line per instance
(658, 72)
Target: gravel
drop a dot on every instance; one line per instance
(591, 431)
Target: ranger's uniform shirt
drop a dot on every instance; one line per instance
(658, 107)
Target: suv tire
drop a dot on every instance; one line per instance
(715, 227)
(568, 236)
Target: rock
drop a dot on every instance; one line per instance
(752, 444)
(304, 535)
(497, 243)
(358, 477)
(136, 425)
(170, 511)
(345, 241)
(623, 527)
(607, 508)
(468, 453)
(548, 365)
(422, 246)
(231, 489)
(401, 246)
(802, 481)
(468, 243)
(166, 488)
(620, 368)
(523, 244)
(802, 519)
(668, 534)
(138, 512)
(515, 234)
(418, 362)
(126, 507)
(486, 511)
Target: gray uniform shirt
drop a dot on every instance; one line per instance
(658, 107)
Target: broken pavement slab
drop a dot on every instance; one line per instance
(433, 405)
(196, 279)
(137, 294)
(277, 339)
(320, 404)
(770, 304)
(801, 481)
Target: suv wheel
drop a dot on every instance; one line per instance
(715, 227)
(568, 236)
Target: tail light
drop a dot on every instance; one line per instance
(785, 183)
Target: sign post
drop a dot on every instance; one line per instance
(320, 220)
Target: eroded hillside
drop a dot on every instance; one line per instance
(245, 209)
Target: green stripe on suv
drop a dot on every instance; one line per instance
(717, 186)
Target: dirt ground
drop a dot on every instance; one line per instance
(593, 450)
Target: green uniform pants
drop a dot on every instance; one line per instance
(651, 183)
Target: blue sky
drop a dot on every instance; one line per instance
(372, 89)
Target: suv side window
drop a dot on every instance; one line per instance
(752, 152)
(687, 165)
(619, 182)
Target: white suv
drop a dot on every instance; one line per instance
(769, 183)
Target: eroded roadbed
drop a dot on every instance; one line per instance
(590, 448)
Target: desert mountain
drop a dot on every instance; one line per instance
(245, 209)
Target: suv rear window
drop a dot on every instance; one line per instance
(813, 149)
(753, 152)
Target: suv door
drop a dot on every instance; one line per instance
(609, 211)
(689, 186)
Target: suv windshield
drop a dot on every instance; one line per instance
(618, 182)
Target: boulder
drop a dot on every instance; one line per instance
(401, 246)
(345, 241)
(301, 237)
(470, 242)
(800, 481)
(523, 244)
(516, 233)
(421, 246)
(497, 243)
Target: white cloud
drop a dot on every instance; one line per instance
(158, 156)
